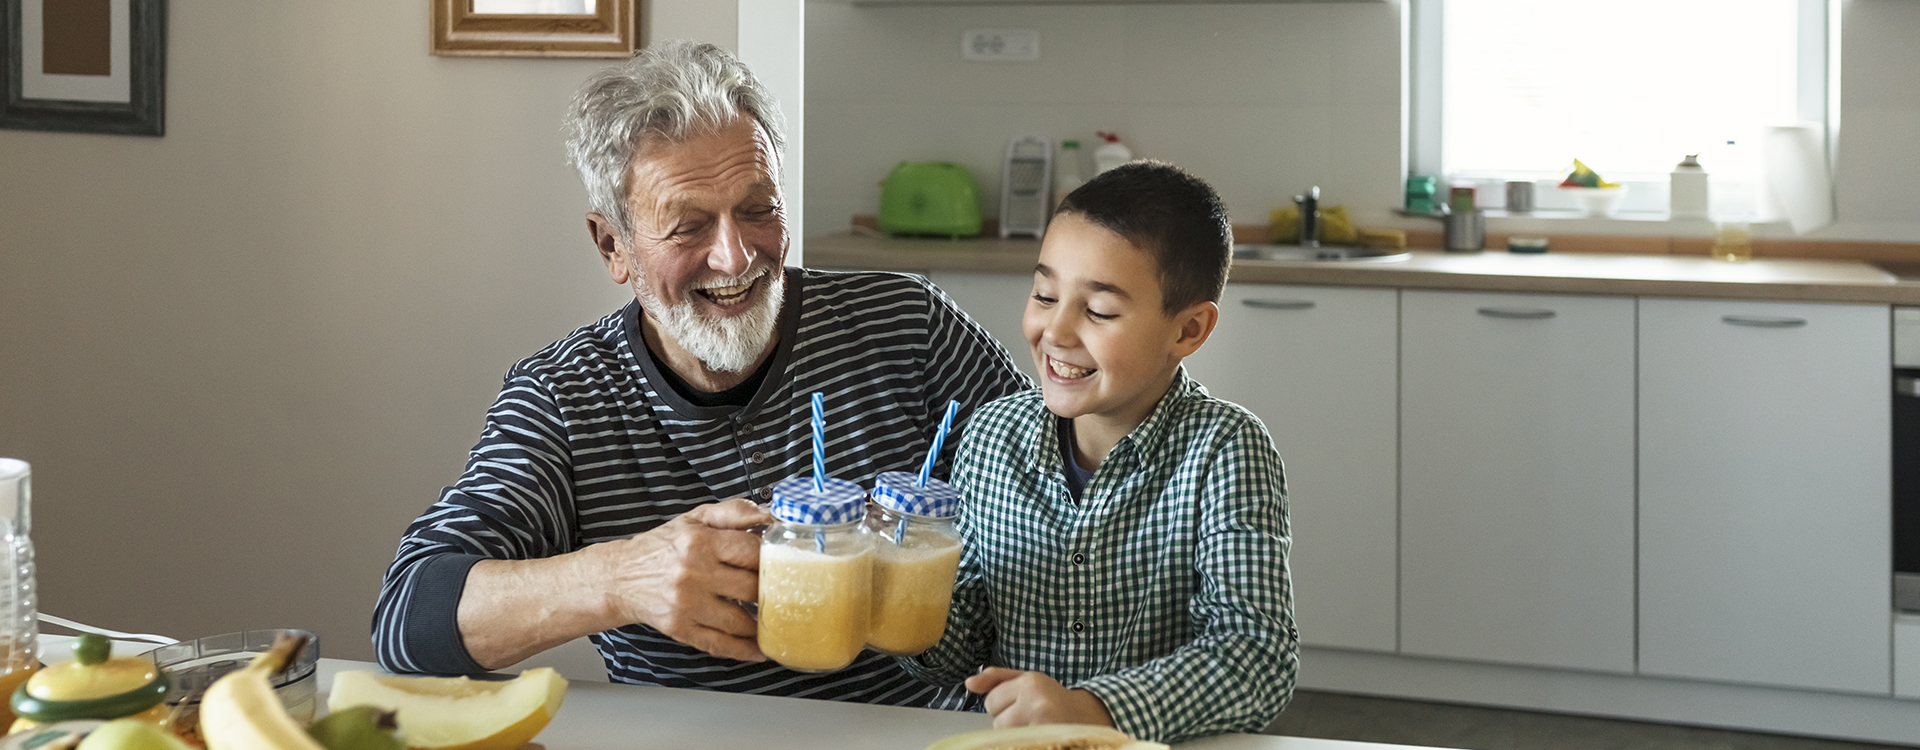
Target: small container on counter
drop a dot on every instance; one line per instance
(1519, 196)
(816, 576)
(1420, 194)
(1687, 197)
(1466, 232)
(94, 685)
(1111, 153)
(1732, 242)
(916, 552)
(1461, 199)
(1527, 245)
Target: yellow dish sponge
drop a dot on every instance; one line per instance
(1335, 227)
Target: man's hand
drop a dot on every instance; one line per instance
(683, 578)
(687, 577)
(1018, 699)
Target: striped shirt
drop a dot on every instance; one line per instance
(1163, 591)
(587, 443)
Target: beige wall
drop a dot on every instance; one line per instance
(242, 357)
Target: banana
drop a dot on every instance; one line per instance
(357, 728)
(240, 711)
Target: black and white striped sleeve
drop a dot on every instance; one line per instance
(513, 502)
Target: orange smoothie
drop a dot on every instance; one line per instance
(912, 589)
(814, 608)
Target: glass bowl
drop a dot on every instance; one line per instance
(1597, 201)
(194, 665)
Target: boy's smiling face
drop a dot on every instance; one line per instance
(1103, 343)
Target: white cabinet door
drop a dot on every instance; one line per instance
(1317, 365)
(1764, 493)
(1516, 500)
(996, 301)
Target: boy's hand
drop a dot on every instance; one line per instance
(1018, 699)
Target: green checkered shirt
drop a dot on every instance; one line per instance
(1164, 591)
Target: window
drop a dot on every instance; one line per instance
(1517, 89)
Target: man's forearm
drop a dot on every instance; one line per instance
(684, 579)
(513, 609)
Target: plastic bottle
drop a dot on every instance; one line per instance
(1687, 197)
(19, 607)
(1110, 154)
(1067, 169)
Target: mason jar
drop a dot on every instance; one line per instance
(916, 552)
(816, 576)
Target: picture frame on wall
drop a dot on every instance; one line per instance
(84, 66)
(535, 28)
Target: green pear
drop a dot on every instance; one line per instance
(357, 728)
(131, 734)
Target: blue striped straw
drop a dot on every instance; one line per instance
(819, 443)
(939, 439)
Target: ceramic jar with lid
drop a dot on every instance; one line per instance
(94, 685)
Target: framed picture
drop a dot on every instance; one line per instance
(87, 66)
(535, 28)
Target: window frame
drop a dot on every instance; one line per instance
(1817, 88)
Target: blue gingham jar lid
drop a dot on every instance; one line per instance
(795, 501)
(894, 491)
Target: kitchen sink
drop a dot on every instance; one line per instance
(1301, 253)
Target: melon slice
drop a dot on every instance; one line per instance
(456, 713)
(1046, 737)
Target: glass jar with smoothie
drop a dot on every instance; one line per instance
(816, 576)
(916, 552)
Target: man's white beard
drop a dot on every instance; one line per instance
(725, 344)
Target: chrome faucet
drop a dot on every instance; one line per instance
(1309, 205)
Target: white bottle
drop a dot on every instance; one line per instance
(1687, 197)
(1111, 154)
(1067, 171)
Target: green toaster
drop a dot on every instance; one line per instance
(930, 198)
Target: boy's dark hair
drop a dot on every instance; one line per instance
(1173, 215)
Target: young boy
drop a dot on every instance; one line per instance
(1126, 534)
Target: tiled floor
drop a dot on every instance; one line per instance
(1349, 717)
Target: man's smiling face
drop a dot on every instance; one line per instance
(708, 241)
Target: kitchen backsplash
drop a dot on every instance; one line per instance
(1260, 100)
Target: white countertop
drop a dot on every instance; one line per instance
(606, 716)
(1622, 274)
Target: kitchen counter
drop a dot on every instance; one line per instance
(1490, 271)
(606, 716)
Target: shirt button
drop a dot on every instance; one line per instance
(766, 491)
(1079, 627)
(746, 429)
(1079, 558)
(759, 457)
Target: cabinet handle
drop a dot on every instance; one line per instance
(1517, 313)
(1762, 321)
(1279, 304)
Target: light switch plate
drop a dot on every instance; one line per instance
(1000, 45)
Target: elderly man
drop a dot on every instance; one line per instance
(588, 508)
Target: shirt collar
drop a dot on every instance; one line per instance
(1043, 453)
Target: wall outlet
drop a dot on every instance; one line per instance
(1000, 45)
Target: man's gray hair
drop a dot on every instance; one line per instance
(666, 94)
